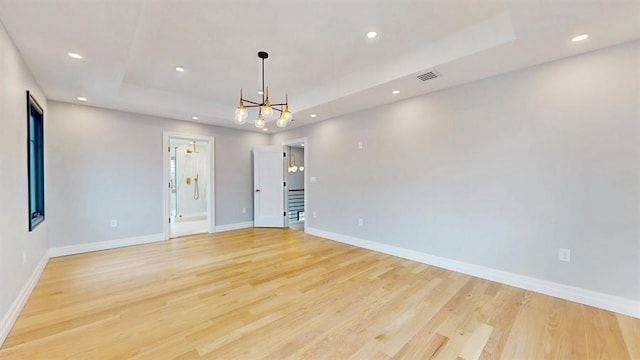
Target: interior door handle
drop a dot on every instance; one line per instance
(257, 190)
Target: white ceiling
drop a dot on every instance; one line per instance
(319, 53)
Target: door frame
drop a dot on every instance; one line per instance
(166, 169)
(302, 140)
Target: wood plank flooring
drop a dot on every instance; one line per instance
(277, 294)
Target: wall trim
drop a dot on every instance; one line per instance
(588, 297)
(6, 324)
(105, 245)
(235, 226)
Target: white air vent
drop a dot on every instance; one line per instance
(428, 76)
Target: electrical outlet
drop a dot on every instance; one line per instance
(24, 257)
(564, 255)
(360, 144)
(114, 223)
(360, 222)
(315, 215)
(244, 210)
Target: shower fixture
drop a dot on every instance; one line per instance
(194, 151)
(196, 190)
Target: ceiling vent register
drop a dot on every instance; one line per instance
(428, 76)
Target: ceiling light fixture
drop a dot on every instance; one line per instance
(194, 118)
(395, 92)
(580, 38)
(372, 34)
(74, 55)
(80, 98)
(265, 129)
(313, 115)
(179, 69)
(292, 163)
(265, 108)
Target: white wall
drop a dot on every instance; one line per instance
(107, 164)
(15, 238)
(500, 173)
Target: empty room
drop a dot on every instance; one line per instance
(245, 179)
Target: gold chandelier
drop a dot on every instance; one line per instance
(265, 108)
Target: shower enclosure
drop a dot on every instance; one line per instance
(188, 181)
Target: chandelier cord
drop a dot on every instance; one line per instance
(262, 81)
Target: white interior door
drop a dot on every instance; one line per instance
(268, 186)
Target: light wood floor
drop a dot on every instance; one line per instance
(270, 293)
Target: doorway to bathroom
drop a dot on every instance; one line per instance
(189, 184)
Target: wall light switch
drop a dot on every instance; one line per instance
(244, 210)
(315, 215)
(360, 222)
(114, 223)
(360, 144)
(564, 255)
(313, 179)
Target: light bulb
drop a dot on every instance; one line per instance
(301, 168)
(267, 111)
(241, 112)
(241, 115)
(281, 122)
(259, 123)
(287, 113)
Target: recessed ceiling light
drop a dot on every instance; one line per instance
(372, 34)
(580, 37)
(179, 69)
(313, 115)
(80, 98)
(74, 55)
(395, 92)
(265, 129)
(194, 118)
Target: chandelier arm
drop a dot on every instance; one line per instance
(252, 102)
(259, 105)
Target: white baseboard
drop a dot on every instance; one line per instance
(588, 297)
(104, 245)
(12, 315)
(236, 226)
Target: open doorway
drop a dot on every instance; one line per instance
(189, 179)
(295, 173)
